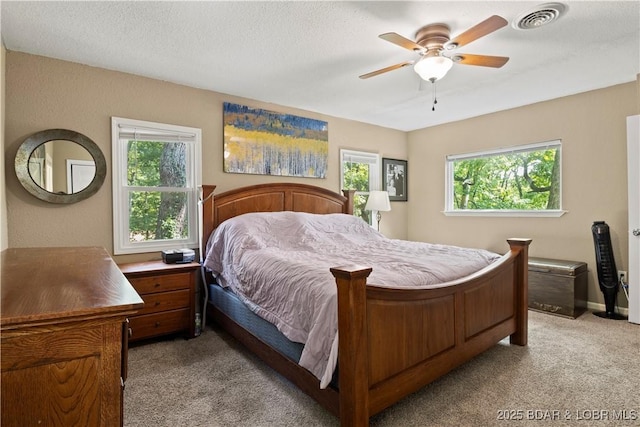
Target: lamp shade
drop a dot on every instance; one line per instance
(433, 68)
(378, 201)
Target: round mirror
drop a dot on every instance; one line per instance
(60, 166)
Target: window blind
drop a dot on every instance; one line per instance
(506, 150)
(150, 134)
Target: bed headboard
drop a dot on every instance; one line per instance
(270, 198)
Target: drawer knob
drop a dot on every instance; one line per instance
(157, 303)
(157, 285)
(157, 324)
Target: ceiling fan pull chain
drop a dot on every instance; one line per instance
(435, 98)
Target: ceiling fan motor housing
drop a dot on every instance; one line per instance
(433, 36)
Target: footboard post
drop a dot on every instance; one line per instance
(353, 365)
(521, 278)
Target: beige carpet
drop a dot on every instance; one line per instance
(574, 372)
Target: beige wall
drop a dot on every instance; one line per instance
(44, 93)
(4, 240)
(638, 92)
(592, 127)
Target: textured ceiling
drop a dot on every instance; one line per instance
(309, 55)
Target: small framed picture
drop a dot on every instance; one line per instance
(394, 179)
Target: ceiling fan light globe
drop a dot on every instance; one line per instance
(433, 68)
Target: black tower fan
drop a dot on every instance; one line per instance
(607, 272)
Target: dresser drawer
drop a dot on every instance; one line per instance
(151, 325)
(164, 301)
(161, 282)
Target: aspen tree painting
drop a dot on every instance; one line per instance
(264, 142)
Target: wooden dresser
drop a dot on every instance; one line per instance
(63, 333)
(168, 291)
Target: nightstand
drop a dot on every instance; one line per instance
(169, 292)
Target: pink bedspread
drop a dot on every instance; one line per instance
(278, 264)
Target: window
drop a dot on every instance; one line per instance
(516, 181)
(156, 175)
(360, 171)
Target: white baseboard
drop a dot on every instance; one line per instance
(593, 306)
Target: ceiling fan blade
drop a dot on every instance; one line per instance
(482, 60)
(386, 69)
(487, 26)
(401, 41)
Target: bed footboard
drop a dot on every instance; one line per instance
(393, 341)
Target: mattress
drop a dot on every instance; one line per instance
(228, 303)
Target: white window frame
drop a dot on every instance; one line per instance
(372, 159)
(162, 132)
(449, 183)
(362, 157)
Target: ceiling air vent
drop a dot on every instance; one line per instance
(542, 15)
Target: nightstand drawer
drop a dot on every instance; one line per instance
(151, 325)
(161, 282)
(169, 294)
(165, 301)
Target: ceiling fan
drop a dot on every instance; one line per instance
(433, 41)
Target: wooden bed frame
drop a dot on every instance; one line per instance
(392, 342)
